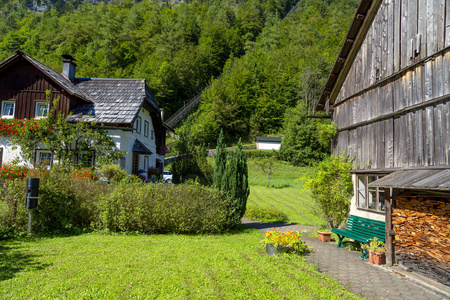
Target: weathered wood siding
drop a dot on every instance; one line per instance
(26, 85)
(393, 110)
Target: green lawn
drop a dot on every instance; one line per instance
(96, 266)
(284, 193)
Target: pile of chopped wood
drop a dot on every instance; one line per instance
(422, 235)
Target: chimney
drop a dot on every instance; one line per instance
(162, 114)
(69, 67)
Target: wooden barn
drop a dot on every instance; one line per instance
(389, 94)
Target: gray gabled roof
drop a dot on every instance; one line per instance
(109, 100)
(116, 101)
(138, 146)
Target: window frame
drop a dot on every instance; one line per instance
(36, 110)
(146, 128)
(3, 107)
(40, 160)
(138, 124)
(146, 163)
(378, 191)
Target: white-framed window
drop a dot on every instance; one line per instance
(41, 110)
(146, 127)
(146, 160)
(44, 157)
(369, 198)
(8, 108)
(138, 124)
(152, 134)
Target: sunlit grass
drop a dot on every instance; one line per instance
(96, 266)
(284, 192)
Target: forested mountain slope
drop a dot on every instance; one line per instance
(178, 48)
(269, 64)
(278, 80)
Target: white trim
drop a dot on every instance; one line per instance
(36, 109)
(3, 108)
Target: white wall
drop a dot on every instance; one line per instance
(269, 145)
(125, 140)
(362, 213)
(8, 153)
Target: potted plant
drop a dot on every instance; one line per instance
(377, 251)
(324, 236)
(285, 242)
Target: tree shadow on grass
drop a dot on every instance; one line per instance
(13, 259)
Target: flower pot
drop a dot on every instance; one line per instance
(324, 236)
(271, 249)
(371, 257)
(379, 258)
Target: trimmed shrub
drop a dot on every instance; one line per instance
(265, 214)
(262, 154)
(157, 208)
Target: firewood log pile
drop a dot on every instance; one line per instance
(422, 235)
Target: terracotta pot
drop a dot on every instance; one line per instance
(371, 254)
(324, 236)
(379, 258)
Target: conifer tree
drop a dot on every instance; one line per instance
(220, 162)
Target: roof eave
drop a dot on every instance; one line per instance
(355, 36)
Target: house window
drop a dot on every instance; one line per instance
(45, 158)
(146, 163)
(152, 134)
(86, 159)
(146, 126)
(138, 124)
(41, 110)
(8, 109)
(369, 198)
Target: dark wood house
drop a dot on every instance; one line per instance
(124, 107)
(389, 94)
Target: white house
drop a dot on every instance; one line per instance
(268, 143)
(124, 107)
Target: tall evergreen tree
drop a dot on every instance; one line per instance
(220, 162)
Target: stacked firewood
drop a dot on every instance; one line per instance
(422, 235)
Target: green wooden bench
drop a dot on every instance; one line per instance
(361, 230)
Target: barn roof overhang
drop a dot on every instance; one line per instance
(432, 179)
(361, 23)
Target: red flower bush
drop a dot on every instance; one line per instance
(12, 126)
(10, 172)
(83, 173)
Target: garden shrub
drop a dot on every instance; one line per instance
(331, 185)
(265, 214)
(158, 208)
(112, 173)
(65, 201)
(262, 154)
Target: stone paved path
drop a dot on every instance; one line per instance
(358, 276)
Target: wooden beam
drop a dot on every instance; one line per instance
(390, 250)
(397, 113)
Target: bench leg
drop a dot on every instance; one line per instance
(364, 254)
(341, 241)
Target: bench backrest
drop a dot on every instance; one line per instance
(366, 227)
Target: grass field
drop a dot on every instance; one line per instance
(96, 266)
(285, 193)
